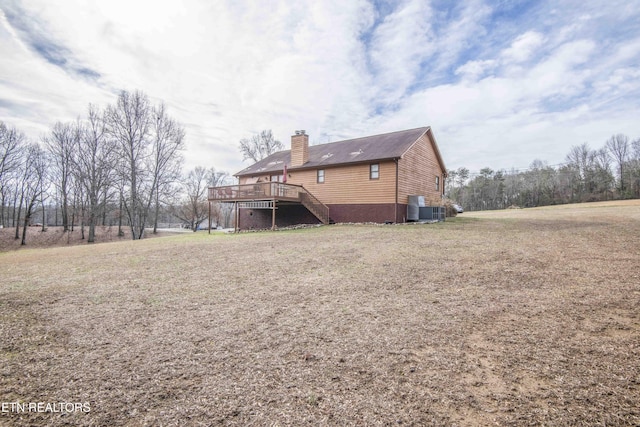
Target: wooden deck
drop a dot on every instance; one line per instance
(258, 191)
(273, 191)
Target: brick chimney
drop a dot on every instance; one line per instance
(299, 148)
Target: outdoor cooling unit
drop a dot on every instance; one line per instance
(413, 209)
(417, 211)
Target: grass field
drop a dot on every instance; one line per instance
(520, 317)
(56, 237)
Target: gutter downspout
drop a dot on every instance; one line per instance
(395, 209)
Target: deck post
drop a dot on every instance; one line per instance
(236, 222)
(273, 215)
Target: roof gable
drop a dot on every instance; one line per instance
(365, 149)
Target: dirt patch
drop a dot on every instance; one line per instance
(482, 320)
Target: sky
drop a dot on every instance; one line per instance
(501, 83)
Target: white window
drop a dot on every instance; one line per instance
(320, 177)
(374, 171)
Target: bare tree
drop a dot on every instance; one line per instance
(586, 176)
(219, 211)
(618, 146)
(193, 209)
(578, 160)
(149, 142)
(225, 212)
(216, 178)
(33, 182)
(449, 184)
(259, 146)
(61, 143)
(93, 166)
(128, 125)
(462, 176)
(635, 167)
(11, 152)
(167, 158)
(636, 149)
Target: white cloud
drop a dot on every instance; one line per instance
(523, 47)
(503, 116)
(619, 82)
(399, 45)
(496, 96)
(475, 69)
(561, 74)
(39, 92)
(460, 33)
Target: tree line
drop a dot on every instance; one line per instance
(608, 173)
(120, 163)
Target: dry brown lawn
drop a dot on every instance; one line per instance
(56, 237)
(522, 317)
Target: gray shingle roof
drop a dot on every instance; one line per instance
(366, 149)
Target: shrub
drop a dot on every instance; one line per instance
(450, 211)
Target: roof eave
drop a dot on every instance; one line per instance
(320, 166)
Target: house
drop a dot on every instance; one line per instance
(368, 179)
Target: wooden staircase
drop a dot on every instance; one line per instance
(260, 193)
(315, 206)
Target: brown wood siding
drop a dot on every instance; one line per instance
(417, 171)
(254, 178)
(349, 184)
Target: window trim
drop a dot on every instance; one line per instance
(437, 183)
(376, 172)
(320, 176)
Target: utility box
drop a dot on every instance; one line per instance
(413, 208)
(432, 213)
(418, 211)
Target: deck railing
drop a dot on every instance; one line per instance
(257, 191)
(315, 206)
(271, 191)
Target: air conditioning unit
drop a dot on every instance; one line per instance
(413, 208)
